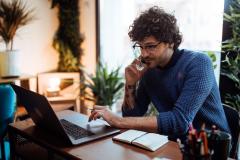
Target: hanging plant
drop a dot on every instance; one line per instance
(67, 39)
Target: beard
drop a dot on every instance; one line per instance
(150, 62)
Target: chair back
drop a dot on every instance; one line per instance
(7, 105)
(233, 119)
(7, 110)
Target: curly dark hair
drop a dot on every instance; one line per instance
(157, 23)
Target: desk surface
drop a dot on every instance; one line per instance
(104, 148)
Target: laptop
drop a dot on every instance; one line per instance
(71, 126)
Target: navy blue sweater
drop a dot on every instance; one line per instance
(183, 92)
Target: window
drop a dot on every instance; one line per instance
(200, 22)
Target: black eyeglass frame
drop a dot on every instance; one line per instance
(148, 48)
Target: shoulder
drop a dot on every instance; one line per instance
(196, 57)
(194, 54)
(199, 67)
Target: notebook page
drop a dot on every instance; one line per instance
(151, 141)
(129, 136)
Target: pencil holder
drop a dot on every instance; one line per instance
(220, 145)
(206, 145)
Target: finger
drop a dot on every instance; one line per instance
(98, 115)
(135, 72)
(134, 67)
(92, 115)
(144, 69)
(97, 107)
(138, 60)
(141, 68)
(132, 75)
(132, 70)
(95, 114)
(134, 61)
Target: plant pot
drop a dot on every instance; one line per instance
(9, 65)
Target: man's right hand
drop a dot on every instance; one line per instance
(132, 75)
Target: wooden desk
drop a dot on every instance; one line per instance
(105, 148)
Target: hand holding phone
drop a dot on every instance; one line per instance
(135, 71)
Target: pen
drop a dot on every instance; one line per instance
(203, 136)
(91, 109)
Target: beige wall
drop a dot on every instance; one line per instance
(35, 39)
(87, 25)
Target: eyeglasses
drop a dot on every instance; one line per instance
(150, 48)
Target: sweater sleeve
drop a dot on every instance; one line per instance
(141, 102)
(198, 82)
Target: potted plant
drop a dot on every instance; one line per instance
(13, 15)
(105, 86)
(230, 69)
(231, 51)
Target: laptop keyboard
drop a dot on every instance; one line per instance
(74, 130)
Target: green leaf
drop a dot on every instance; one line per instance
(231, 65)
(107, 85)
(13, 15)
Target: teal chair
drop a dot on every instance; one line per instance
(7, 110)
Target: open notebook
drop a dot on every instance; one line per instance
(149, 141)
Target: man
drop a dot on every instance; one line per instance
(180, 83)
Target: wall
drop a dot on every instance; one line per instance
(35, 39)
(199, 22)
(88, 28)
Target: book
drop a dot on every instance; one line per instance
(149, 141)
